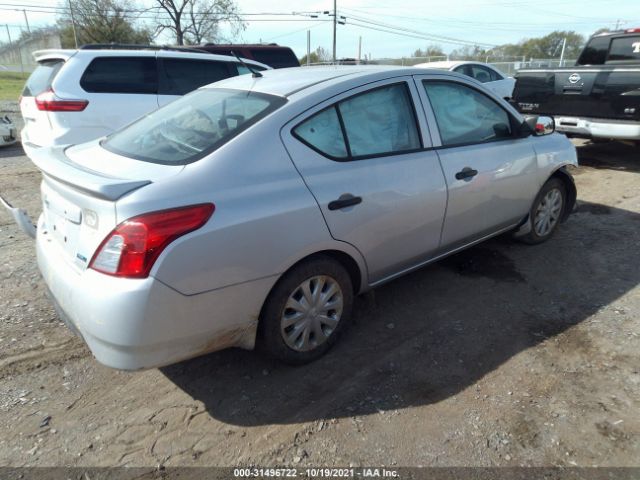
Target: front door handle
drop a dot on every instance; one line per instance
(345, 200)
(466, 172)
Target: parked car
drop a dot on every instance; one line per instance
(490, 76)
(8, 133)
(78, 95)
(272, 54)
(598, 97)
(257, 208)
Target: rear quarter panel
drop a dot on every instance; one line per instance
(265, 218)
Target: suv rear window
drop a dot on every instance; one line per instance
(192, 126)
(121, 75)
(42, 77)
(625, 49)
(181, 76)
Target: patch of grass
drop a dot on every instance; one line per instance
(11, 85)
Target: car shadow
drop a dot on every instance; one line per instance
(431, 334)
(609, 156)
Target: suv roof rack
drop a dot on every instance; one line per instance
(127, 46)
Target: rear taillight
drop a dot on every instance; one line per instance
(131, 249)
(48, 101)
(632, 30)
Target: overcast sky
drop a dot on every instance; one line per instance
(489, 22)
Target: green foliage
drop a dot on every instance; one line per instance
(317, 56)
(11, 85)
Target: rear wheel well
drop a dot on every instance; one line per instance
(344, 259)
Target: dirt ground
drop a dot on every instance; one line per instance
(505, 354)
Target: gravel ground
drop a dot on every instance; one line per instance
(504, 354)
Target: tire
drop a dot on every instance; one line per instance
(546, 206)
(291, 328)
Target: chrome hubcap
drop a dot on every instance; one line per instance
(311, 313)
(548, 212)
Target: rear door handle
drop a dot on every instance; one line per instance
(466, 172)
(346, 200)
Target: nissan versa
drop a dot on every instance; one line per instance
(254, 209)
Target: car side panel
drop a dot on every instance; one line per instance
(265, 219)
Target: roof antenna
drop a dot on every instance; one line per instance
(254, 73)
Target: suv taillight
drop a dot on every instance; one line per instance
(48, 101)
(131, 249)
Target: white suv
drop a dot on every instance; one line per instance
(74, 96)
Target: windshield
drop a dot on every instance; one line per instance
(193, 126)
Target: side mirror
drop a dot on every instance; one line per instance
(540, 125)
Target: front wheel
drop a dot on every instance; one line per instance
(306, 311)
(546, 212)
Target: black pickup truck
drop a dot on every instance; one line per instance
(599, 97)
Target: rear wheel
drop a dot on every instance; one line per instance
(306, 311)
(546, 211)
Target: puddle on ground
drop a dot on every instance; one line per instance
(484, 262)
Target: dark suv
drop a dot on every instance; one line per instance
(272, 54)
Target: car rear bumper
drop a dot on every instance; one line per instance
(598, 128)
(134, 324)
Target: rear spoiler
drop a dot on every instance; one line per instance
(53, 163)
(50, 53)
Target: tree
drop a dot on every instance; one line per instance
(101, 21)
(430, 51)
(549, 46)
(198, 21)
(319, 55)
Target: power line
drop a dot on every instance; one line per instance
(427, 36)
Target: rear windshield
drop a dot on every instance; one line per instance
(42, 77)
(192, 126)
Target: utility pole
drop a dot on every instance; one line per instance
(359, 49)
(308, 47)
(564, 45)
(73, 25)
(9, 35)
(335, 22)
(26, 20)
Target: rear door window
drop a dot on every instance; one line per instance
(373, 123)
(180, 75)
(323, 133)
(625, 49)
(121, 75)
(380, 122)
(42, 77)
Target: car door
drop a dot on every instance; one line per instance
(362, 156)
(179, 76)
(489, 168)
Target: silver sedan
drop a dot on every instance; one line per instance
(255, 209)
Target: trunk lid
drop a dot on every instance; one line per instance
(80, 188)
(606, 91)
